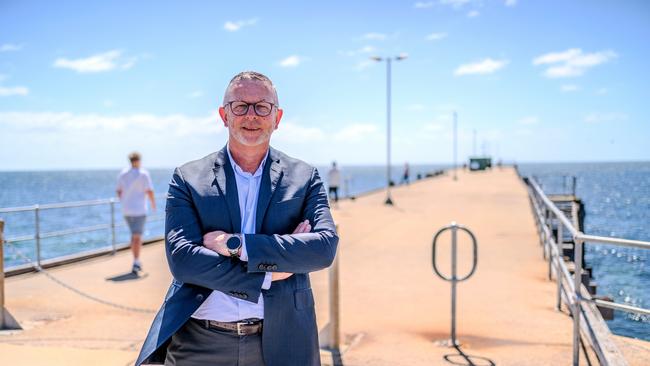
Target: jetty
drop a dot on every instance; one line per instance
(390, 306)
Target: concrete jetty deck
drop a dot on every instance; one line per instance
(391, 301)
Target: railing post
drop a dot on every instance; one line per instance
(37, 227)
(113, 238)
(558, 271)
(454, 278)
(549, 246)
(548, 221)
(334, 331)
(573, 186)
(2, 275)
(577, 282)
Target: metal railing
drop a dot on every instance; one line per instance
(38, 234)
(570, 290)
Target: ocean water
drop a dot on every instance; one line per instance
(45, 187)
(616, 196)
(617, 204)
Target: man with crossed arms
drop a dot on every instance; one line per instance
(244, 227)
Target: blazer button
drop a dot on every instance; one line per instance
(244, 296)
(261, 267)
(199, 297)
(274, 267)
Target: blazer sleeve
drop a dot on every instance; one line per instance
(189, 261)
(298, 253)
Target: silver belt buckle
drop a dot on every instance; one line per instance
(240, 331)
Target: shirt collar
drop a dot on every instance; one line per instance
(240, 171)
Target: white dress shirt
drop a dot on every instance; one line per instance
(220, 306)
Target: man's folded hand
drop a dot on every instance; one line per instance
(303, 227)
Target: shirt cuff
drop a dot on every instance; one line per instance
(268, 278)
(244, 252)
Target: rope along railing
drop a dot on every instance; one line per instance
(79, 292)
(570, 290)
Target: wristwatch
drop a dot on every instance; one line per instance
(234, 244)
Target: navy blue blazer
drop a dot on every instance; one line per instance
(203, 197)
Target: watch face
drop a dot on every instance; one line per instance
(233, 242)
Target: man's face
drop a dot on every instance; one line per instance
(250, 129)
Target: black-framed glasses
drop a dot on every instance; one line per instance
(240, 108)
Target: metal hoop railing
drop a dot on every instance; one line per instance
(454, 279)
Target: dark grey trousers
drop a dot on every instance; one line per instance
(196, 345)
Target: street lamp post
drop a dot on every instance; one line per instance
(455, 144)
(389, 200)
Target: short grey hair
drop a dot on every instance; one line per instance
(251, 75)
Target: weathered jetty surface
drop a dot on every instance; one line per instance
(393, 309)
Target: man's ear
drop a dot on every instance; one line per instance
(222, 113)
(278, 117)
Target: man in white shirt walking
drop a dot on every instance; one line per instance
(133, 186)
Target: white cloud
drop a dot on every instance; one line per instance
(101, 62)
(231, 26)
(292, 131)
(11, 91)
(363, 50)
(372, 36)
(454, 3)
(195, 94)
(572, 62)
(605, 117)
(486, 66)
(569, 88)
(423, 5)
(436, 36)
(291, 61)
(108, 103)
(364, 64)
(104, 139)
(473, 14)
(529, 120)
(511, 2)
(9, 47)
(355, 132)
(137, 124)
(554, 57)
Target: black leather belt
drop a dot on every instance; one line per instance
(244, 327)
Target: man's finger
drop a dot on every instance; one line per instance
(299, 228)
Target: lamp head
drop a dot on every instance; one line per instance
(402, 56)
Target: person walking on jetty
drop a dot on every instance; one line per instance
(407, 173)
(334, 182)
(244, 228)
(133, 186)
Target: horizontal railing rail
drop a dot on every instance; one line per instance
(39, 234)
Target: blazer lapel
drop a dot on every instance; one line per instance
(270, 178)
(225, 178)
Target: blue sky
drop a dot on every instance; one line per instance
(82, 85)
